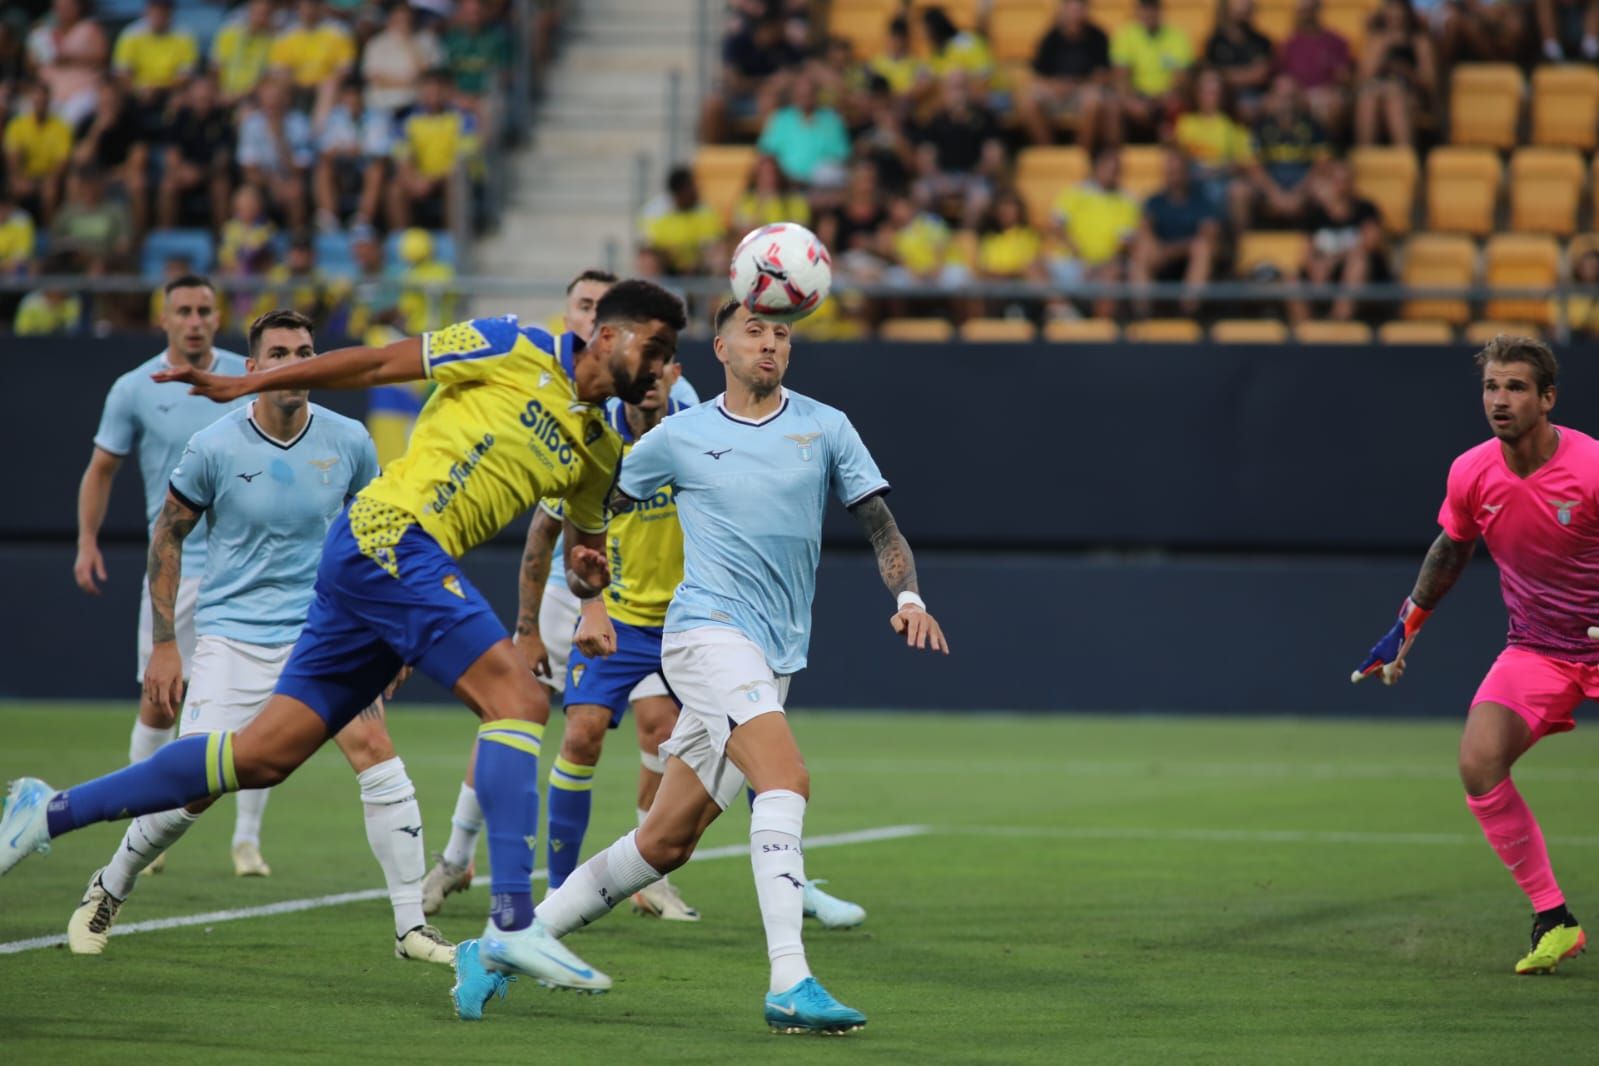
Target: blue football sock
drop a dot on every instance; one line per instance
(571, 797)
(506, 777)
(180, 773)
(749, 793)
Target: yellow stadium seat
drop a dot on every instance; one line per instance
(962, 13)
(1249, 331)
(1109, 15)
(1349, 20)
(722, 173)
(1283, 249)
(1275, 18)
(1438, 260)
(1318, 332)
(1143, 169)
(1485, 104)
(1000, 330)
(1419, 332)
(1545, 186)
(1462, 189)
(916, 329)
(1041, 174)
(1196, 18)
(1521, 260)
(1482, 332)
(1014, 29)
(1080, 330)
(864, 24)
(1593, 184)
(1565, 105)
(1387, 177)
(1165, 331)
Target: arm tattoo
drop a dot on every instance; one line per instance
(165, 564)
(894, 559)
(1445, 562)
(535, 571)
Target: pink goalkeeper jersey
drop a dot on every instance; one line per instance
(1543, 533)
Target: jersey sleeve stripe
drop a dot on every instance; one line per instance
(181, 498)
(440, 360)
(881, 490)
(111, 451)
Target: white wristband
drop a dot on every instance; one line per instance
(909, 598)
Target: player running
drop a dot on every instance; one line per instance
(158, 420)
(1532, 494)
(270, 476)
(750, 473)
(515, 421)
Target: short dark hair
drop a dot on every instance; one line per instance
(188, 281)
(637, 300)
(678, 179)
(282, 318)
(726, 310)
(604, 277)
(1507, 348)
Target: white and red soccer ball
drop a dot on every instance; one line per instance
(781, 271)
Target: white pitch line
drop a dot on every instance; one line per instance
(1240, 836)
(15, 947)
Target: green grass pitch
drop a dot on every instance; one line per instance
(1088, 889)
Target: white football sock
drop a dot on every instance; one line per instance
(247, 819)
(466, 824)
(146, 741)
(777, 819)
(147, 837)
(394, 830)
(595, 887)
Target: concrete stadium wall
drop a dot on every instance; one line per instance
(1114, 528)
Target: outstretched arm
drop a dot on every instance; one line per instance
(531, 579)
(163, 677)
(346, 368)
(898, 567)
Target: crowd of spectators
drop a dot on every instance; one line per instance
(904, 161)
(256, 142)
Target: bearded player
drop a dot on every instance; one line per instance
(1532, 494)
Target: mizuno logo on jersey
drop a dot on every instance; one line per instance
(718, 455)
(247, 478)
(804, 442)
(165, 407)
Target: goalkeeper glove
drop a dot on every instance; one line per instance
(1394, 644)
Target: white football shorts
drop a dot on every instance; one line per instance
(722, 679)
(182, 623)
(558, 613)
(231, 683)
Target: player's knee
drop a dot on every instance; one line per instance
(1481, 771)
(582, 746)
(665, 851)
(258, 767)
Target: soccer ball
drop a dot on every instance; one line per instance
(781, 272)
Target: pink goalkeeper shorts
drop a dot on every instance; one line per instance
(1545, 691)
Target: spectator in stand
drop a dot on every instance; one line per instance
(421, 305)
(684, 232)
(295, 284)
(1568, 29)
(68, 53)
(434, 140)
(1397, 75)
(921, 248)
(1180, 235)
(1224, 164)
(1289, 143)
(1346, 240)
(769, 199)
(842, 83)
(851, 229)
(1008, 247)
(18, 239)
(38, 146)
(153, 58)
(112, 140)
(1243, 55)
(198, 156)
(275, 150)
(805, 137)
(1096, 223)
(353, 146)
(394, 60)
(370, 299)
(1150, 58)
(246, 248)
(951, 50)
(1320, 63)
(316, 50)
(241, 50)
(896, 64)
(960, 153)
(478, 54)
(1581, 311)
(1071, 77)
(758, 66)
(94, 230)
(885, 142)
(13, 55)
(51, 309)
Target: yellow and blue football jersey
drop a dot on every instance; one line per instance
(504, 429)
(645, 546)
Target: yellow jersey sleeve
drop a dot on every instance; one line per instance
(585, 507)
(469, 351)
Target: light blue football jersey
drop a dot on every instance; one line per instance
(270, 506)
(751, 496)
(159, 419)
(682, 394)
